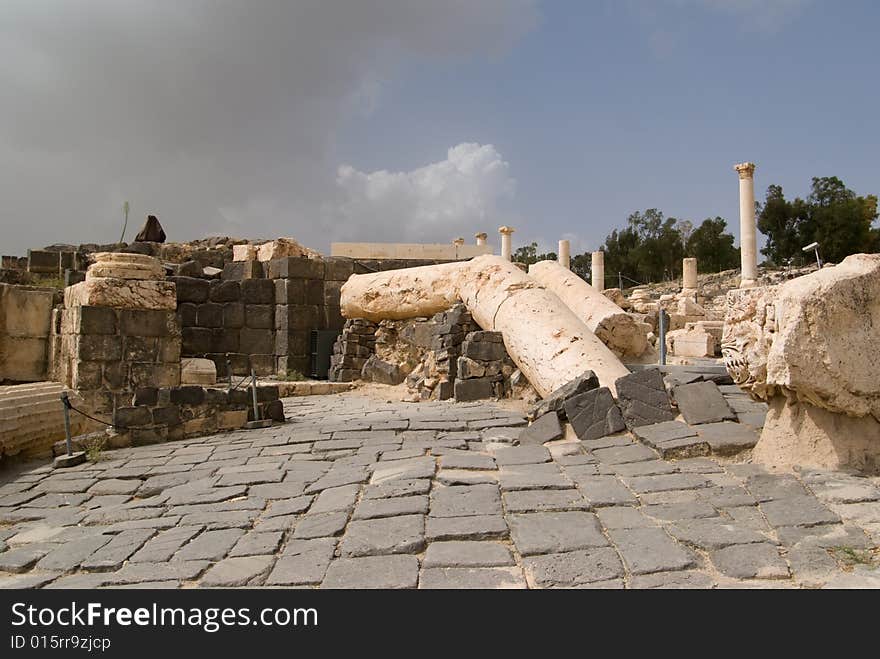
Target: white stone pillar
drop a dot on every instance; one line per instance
(458, 242)
(481, 238)
(689, 275)
(747, 227)
(564, 256)
(506, 243)
(598, 270)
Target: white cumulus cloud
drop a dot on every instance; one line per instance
(467, 192)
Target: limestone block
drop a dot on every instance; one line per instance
(690, 343)
(125, 266)
(608, 321)
(245, 252)
(686, 306)
(197, 371)
(122, 293)
(25, 311)
(282, 247)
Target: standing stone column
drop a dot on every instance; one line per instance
(689, 276)
(747, 227)
(481, 238)
(565, 254)
(598, 270)
(506, 242)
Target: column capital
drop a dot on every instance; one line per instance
(458, 242)
(745, 169)
(481, 236)
(505, 230)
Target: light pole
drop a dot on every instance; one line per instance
(815, 247)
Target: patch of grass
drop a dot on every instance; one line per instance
(292, 376)
(94, 448)
(851, 557)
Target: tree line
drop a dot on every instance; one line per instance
(651, 246)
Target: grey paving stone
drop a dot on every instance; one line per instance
(461, 501)
(546, 476)
(324, 525)
(545, 428)
(251, 478)
(689, 579)
(474, 527)
(827, 536)
(384, 572)
(404, 534)
(186, 495)
(702, 402)
(797, 511)
(555, 401)
(26, 581)
(714, 533)
(467, 553)
(501, 435)
(284, 490)
(240, 519)
(237, 571)
(521, 455)
(112, 555)
(22, 558)
(648, 550)
(375, 508)
(753, 419)
(752, 561)
(594, 414)
(677, 511)
(465, 460)
(646, 468)
(466, 477)
(303, 562)
(544, 533)
(69, 555)
(342, 476)
(210, 545)
(861, 577)
(727, 437)
(698, 466)
(402, 470)
(642, 398)
(623, 454)
(294, 506)
(402, 454)
(115, 486)
(623, 517)
(460, 578)
(574, 568)
(134, 573)
(838, 488)
(811, 565)
(106, 501)
(665, 482)
(663, 432)
(257, 543)
(55, 484)
(602, 491)
(165, 545)
(57, 500)
(526, 501)
(864, 513)
(335, 499)
(766, 487)
(726, 497)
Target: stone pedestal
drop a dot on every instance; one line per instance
(747, 226)
(481, 238)
(564, 257)
(689, 277)
(506, 242)
(598, 270)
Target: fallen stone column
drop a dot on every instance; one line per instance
(546, 340)
(616, 328)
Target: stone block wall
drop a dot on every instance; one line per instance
(352, 349)
(108, 353)
(484, 367)
(25, 326)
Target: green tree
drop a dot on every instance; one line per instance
(582, 265)
(713, 246)
(528, 254)
(780, 221)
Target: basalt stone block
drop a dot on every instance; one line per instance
(188, 395)
(259, 316)
(545, 428)
(333, 319)
(188, 269)
(256, 341)
(274, 410)
(140, 348)
(297, 343)
(291, 363)
(702, 402)
(377, 370)
(233, 315)
(225, 340)
(128, 417)
(297, 317)
(475, 389)
(99, 348)
(72, 277)
(87, 375)
(94, 320)
(296, 267)
(146, 396)
(555, 402)
(263, 364)
(642, 398)
(196, 340)
(258, 291)
(210, 315)
(115, 375)
(186, 314)
(315, 292)
(594, 414)
(191, 289)
(338, 268)
(290, 291)
(215, 396)
(43, 261)
(243, 271)
(168, 415)
(148, 322)
(159, 375)
(225, 291)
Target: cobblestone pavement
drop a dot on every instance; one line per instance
(355, 493)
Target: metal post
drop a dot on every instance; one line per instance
(662, 323)
(818, 260)
(620, 280)
(229, 371)
(65, 401)
(254, 390)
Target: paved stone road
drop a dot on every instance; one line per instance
(355, 493)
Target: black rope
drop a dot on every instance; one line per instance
(123, 428)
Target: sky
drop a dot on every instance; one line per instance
(421, 121)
